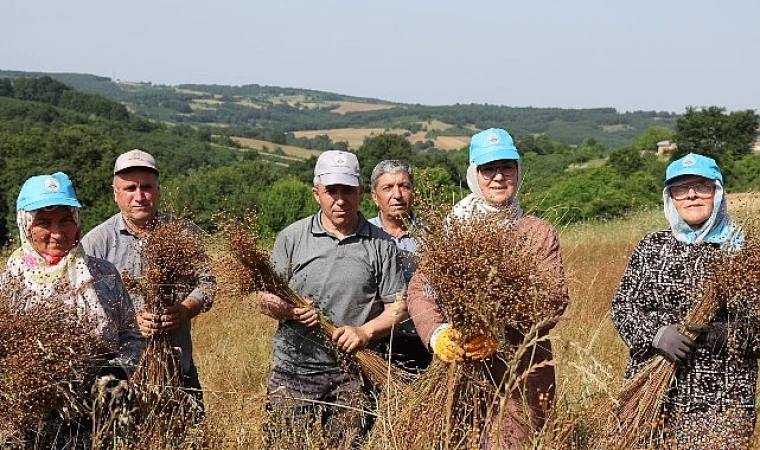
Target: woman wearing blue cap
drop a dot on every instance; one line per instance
(712, 400)
(494, 177)
(50, 256)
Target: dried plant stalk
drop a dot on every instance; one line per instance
(48, 358)
(173, 258)
(249, 265)
(485, 277)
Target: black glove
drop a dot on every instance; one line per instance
(713, 335)
(672, 344)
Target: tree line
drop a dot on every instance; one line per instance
(46, 126)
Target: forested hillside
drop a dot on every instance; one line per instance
(268, 112)
(47, 126)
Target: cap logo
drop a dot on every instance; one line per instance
(689, 161)
(493, 138)
(52, 185)
(340, 160)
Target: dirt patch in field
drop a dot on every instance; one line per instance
(289, 150)
(347, 107)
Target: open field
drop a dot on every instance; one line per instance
(355, 136)
(233, 340)
(347, 107)
(289, 150)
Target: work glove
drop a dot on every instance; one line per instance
(713, 335)
(480, 347)
(672, 344)
(447, 347)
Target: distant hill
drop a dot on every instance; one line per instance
(271, 113)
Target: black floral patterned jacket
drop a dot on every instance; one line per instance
(661, 283)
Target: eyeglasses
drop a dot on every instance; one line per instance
(489, 172)
(702, 190)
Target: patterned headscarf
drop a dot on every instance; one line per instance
(47, 278)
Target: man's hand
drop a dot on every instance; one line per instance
(149, 324)
(170, 318)
(348, 338)
(307, 316)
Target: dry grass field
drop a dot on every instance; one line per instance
(347, 107)
(289, 150)
(355, 136)
(232, 341)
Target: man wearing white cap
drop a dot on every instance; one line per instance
(351, 272)
(119, 240)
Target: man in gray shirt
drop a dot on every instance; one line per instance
(393, 192)
(351, 272)
(120, 239)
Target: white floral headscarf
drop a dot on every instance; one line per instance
(46, 278)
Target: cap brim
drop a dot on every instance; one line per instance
(48, 202)
(345, 179)
(496, 155)
(686, 172)
(135, 166)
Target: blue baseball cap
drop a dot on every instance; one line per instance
(490, 145)
(693, 164)
(43, 191)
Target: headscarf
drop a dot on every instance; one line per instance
(476, 203)
(46, 278)
(718, 229)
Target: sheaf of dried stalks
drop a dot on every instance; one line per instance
(173, 257)
(48, 358)
(485, 278)
(248, 264)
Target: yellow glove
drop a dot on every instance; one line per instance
(481, 346)
(447, 347)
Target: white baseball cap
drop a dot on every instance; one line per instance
(338, 167)
(134, 158)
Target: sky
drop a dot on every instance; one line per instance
(645, 55)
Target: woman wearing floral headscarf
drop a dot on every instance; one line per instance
(712, 400)
(494, 177)
(50, 268)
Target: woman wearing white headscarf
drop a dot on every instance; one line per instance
(50, 268)
(494, 177)
(712, 400)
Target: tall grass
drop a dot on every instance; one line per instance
(232, 342)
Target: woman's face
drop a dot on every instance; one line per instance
(498, 181)
(693, 197)
(54, 231)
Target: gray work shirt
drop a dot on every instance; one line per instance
(349, 280)
(407, 246)
(114, 241)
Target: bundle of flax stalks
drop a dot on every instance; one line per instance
(634, 418)
(48, 358)
(173, 257)
(249, 266)
(485, 277)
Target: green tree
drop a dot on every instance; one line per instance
(647, 141)
(626, 160)
(283, 203)
(378, 148)
(713, 132)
